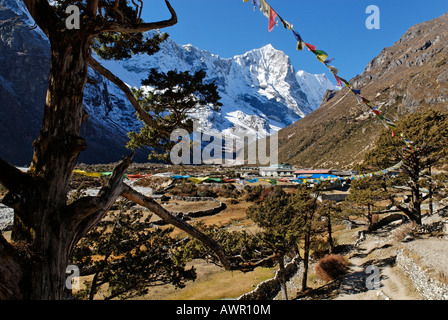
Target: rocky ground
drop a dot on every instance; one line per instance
(373, 273)
(376, 252)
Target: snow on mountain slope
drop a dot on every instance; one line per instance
(259, 89)
(314, 85)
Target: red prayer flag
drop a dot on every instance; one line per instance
(338, 80)
(310, 46)
(272, 16)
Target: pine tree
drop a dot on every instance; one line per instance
(428, 132)
(366, 193)
(174, 96)
(129, 257)
(46, 228)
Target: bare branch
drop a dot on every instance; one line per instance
(120, 84)
(113, 26)
(86, 212)
(152, 205)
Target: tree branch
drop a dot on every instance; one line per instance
(120, 84)
(12, 178)
(86, 212)
(152, 205)
(113, 26)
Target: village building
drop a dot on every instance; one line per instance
(277, 171)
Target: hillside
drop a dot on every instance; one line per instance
(408, 76)
(260, 90)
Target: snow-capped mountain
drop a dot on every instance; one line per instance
(260, 90)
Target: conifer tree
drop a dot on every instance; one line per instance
(428, 132)
(175, 95)
(129, 257)
(366, 193)
(46, 228)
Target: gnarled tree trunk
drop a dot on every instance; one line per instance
(45, 228)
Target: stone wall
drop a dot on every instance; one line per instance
(195, 214)
(268, 290)
(423, 281)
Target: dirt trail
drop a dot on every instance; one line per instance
(378, 251)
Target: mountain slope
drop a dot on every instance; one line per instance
(260, 91)
(404, 78)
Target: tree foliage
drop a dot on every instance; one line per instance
(125, 253)
(365, 193)
(173, 97)
(428, 132)
(46, 227)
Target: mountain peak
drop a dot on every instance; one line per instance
(259, 89)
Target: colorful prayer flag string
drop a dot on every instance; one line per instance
(322, 56)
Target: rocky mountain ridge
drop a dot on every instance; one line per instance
(408, 76)
(260, 91)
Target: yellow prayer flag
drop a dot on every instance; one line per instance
(198, 180)
(89, 174)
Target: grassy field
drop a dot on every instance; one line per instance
(213, 283)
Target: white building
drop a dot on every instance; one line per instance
(279, 171)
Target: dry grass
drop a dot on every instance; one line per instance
(331, 267)
(213, 283)
(403, 231)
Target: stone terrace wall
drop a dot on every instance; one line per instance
(268, 290)
(195, 214)
(424, 283)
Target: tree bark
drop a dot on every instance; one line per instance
(45, 228)
(306, 258)
(330, 233)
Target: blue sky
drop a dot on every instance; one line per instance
(231, 27)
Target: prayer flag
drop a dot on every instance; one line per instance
(333, 69)
(177, 177)
(300, 43)
(272, 16)
(88, 174)
(285, 23)
(310, 47)
(321, 55)
(338, 80)
(197, 180)
(347, 84)
(264, 7)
